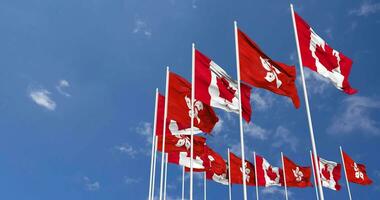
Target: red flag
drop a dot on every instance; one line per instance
(330, 173)
(321, 58)
(296, 176)
(160, 114)
(356, 173)
(216, 88)
(181, 143)
(179, 106)
(267, 175)
(183, 159)
(237, 171)
(257, 69)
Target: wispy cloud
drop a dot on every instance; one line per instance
(316, 84)
(283, 137)
(91, 185)
(366, 8)
(142, 28)
(62, 85)
(218, 127)
(255, 131)
(262, 101)
(355, 114)
(127, 149)
(145, 129)
(41, 97)
(194, 4)
(275, 191)
(130, 180)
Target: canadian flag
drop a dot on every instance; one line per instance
(237, 171)
(267, 175)
(321, 58)
(330, 173)
(356, 173)
(179, 107)
(296, 176)
(216, 88)
(181, 143)
(258, 70)
(184, 159)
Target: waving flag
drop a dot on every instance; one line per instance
(356, 173)
(216, 88)
(183, 159)
(267, 175)
(258, 70)
(296, 176)
(330, 173)
(237, 171)
(160, 114)
(181, 143)
(320, 57)
(179, 106)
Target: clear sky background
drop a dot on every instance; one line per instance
(77, 86)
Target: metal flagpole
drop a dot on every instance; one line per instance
(229, 175)
(240, 112)
(192, 118)
(315, 180)
(314, 148)
(283, 167)
(345, 172)
(204, 186)
(183, 182)
(256, 181)
(154, 166)
(164, 133)
(166, 174)
(153, 145)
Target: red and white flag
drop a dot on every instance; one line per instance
(258, 70)
(184, 159)
(216, 88)
(160, 114)
(330, 173)
(296, 176)
(181, 143)
(267, 175)
(179, 106)
(237, 171)
(356, 173)
(321, 58)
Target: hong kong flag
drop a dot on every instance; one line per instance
(179, 106)
(320, 57)
(183, 159)
(356, 173)
(160, 114)
(237, 171)
(330, 174)
(216, 88)
(296, 176)
(181, 143)
(267, 175)
(258, 70)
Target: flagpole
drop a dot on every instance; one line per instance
(204, 186)
(164, 133)
(166, 174)
(154, 165)
(192, 118)
(240, 112)
(229, 175)
(345, 172)
(315, 180)
(256, 181)
(283, 167)
(314, 148)
(153, 146)
(183, 183)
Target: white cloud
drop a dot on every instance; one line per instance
(62, 84)
(129, 180)
(283, 137)
(366, 8)
(194, 4)
(142, 27)
(316, 84)
(91, 185)
(145, 129)
(262, 101)
(218, 127)
(255, 131)
(127, 149)
(275, 191)
(41, 97)
(356, 116)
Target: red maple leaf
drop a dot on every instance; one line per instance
(272, 175)
(325, 172)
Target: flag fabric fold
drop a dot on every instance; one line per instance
(237, 171)
(330, 174)
(318, 56)
(356, 173)
(267, 175)
(296, 176)
(181, 143)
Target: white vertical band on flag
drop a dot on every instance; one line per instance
(283, 171)
(183, 182)
(229, 175)
(314, 148)
(345, 172)
(166, 174)
(153, 146)
(240, 111)
(154, 166)
(192, 118)
(256, 180)
(164, 134)
(315, 180)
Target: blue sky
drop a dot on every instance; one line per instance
(78, 78)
